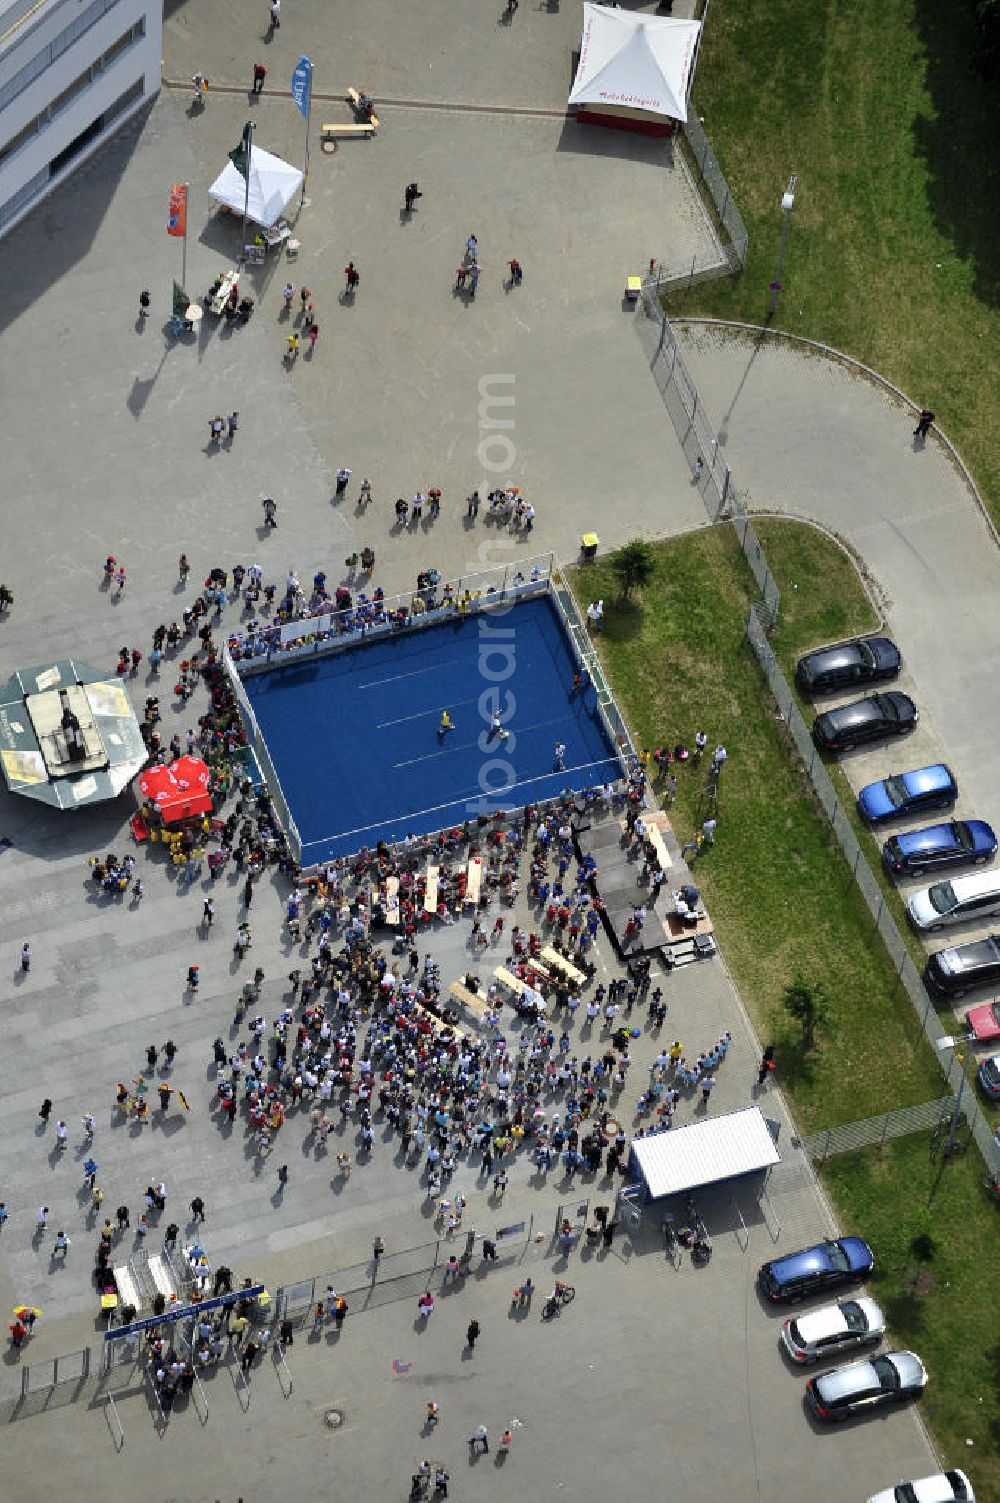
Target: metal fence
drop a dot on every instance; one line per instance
(872, 1131)
(398, 1276)
(729, 253)
(42, 1377)
(907, 973)
(699, 440)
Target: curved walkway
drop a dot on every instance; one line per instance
(808, 435)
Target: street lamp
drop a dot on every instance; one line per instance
(787, 205)
(951, 1042)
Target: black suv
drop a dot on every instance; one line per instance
(866, 660)
(961, 968)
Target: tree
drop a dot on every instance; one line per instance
(633, 566)
(809, 1005)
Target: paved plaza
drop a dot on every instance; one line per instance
(655, 1378)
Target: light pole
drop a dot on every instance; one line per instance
(787, 205)
(950, 1042)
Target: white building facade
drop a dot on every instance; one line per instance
(71, 73)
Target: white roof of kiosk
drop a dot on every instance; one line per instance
(704, 1153)
(638, 61)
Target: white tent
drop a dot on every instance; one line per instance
(634, 61)
(703, 1153)
(273, 184)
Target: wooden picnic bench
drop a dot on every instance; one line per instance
(508, 979)
(358, 128)
(472, 1000)
(562, 964)
(474, 880)
(659, 846)
(392, 900)
(431, 892)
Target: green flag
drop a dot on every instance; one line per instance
(240, 156)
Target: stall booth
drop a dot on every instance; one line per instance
(265, 193)
(706, 1153)
(634, 71)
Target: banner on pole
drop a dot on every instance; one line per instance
(240, 155)
(302, 85)
(177, 212)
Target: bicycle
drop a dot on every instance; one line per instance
(562, 1294)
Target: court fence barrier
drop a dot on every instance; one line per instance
(954, 1061)
(872, 1132)
(481, 592)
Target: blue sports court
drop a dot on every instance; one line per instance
(354, 735)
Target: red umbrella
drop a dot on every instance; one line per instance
(178, 791)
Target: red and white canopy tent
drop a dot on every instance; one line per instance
(634, 71)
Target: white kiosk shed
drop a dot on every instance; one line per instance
(688, 1158)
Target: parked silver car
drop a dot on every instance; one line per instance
(955, 900)
(842, 1327)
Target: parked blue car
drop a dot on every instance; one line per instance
(908, 793)
(816, 1269)
(959, 842)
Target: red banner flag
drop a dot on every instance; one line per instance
(177, 214)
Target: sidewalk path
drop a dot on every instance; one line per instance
(807, 435)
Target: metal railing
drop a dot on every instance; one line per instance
(699, 440)
(397, 1276)
(937, 1035)
(729, 253)
(41, 1377)
(874, 1131)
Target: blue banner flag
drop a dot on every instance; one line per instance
(302, 79)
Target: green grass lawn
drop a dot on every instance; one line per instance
(777, 886)
(943, 1307)
(893, 253)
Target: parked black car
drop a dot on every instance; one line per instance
(866, 660)
(872, 719)
(960, 968)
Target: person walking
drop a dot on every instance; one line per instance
(122, 1216)
(378, 1248)
(197, 1209)
(62, 1134)
(233, 423)
(42, 1218)
(480, 1437)
(270, 511)
(353, 277)
(472, 1334)
(707, 1087)
(248, 892)
(61, 1245)
(560, 756)
(259, 75)
(45, 1110)
(923, 426)
(472, 509)
(275, 15)
(410, 195)
(208, 912)
(343, 476)
(766, 1064)
(26, 956)
(282, 1175)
